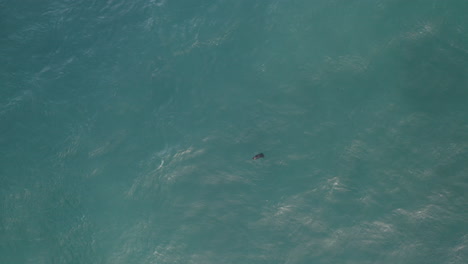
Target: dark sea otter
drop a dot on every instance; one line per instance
(258, 156)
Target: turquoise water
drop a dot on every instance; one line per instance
(128, 128)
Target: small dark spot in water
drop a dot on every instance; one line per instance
(258, 156)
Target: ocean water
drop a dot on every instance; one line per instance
(127, 130)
